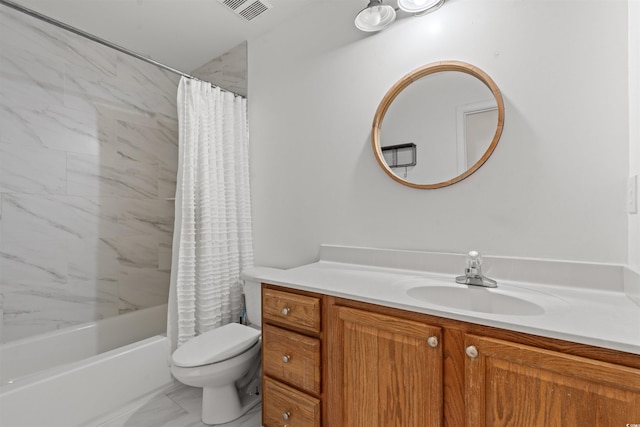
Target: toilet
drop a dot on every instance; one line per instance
(225, 362)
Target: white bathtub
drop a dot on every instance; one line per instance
(68, 377)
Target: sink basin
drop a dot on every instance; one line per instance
(504, 300)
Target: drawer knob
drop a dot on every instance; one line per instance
(286, 415)
(286, 311)
(286, 358)
(472, 351)
(432, 341)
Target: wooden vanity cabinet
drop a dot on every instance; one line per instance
(385, 371)
(510, 384)
(365, 365)
(382, 374)
(291, 358)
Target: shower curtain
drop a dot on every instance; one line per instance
(212, 240)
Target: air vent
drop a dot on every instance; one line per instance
(247, 9)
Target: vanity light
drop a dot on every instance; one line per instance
(419, 7)
(375, 16)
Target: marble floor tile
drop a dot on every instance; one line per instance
(177, 406)
(160, 411)
(188, 398)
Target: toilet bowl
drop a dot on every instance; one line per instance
(215, 361)
(225, 362)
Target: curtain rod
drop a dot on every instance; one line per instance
(101, 41)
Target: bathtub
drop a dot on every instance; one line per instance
(71, 376)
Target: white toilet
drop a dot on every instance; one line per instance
(225, 362)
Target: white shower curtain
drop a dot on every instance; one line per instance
(212, 240)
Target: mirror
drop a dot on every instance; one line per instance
(438, 124)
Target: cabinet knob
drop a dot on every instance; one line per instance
(286, 415)
(472, 351)
(286, 311)
(432, 341)
(286, 358)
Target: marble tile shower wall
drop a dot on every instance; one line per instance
(88, 157)
(229, 70)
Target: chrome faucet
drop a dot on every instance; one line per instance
(473, 273)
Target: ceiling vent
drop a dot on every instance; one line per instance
(247, 9)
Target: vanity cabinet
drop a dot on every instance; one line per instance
(291, 358)
(381, 371)
(366, 365)
(292, 310)
(509, 384)
(386, 371)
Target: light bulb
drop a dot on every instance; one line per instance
(375, 17)
(372, 16)
(419, 6)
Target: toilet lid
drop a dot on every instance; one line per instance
(216, 345)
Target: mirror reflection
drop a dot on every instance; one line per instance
(437, 125)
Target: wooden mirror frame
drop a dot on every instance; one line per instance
(400, 85)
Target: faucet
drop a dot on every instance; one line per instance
(473, 273)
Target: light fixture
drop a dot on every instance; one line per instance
(375, 16)
(419, 7)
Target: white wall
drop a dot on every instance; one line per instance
(554, 187)
(634, 124)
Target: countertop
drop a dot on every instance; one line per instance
(600, 317)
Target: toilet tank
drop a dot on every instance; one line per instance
(252, 292)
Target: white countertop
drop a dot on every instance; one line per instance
(601, 317)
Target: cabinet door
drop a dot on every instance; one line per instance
(513, 385)
(384, 371)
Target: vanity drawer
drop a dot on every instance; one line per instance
(283, 405)
(292, 358)
(298, 311)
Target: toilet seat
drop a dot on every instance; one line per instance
(215, 346)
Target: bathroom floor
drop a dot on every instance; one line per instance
(176, 406)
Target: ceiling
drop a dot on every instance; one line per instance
(182, 34)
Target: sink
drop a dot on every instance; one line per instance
(504, 300)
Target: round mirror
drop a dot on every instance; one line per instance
(442, 121)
